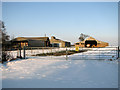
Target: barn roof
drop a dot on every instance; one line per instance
(91, 38)
(54, 39)
(30, 38)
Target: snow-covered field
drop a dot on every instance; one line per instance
(57, 72)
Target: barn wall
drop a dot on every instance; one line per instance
(98, 45)
(60, 42)
(102, 45)
(36, 43)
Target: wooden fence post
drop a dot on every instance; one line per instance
(51, 49)
(99, 52)
(118, 51)
(24, 52)
(66, 54)
(20, 50)
(17, 52)
(42, 49)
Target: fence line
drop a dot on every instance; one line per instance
(100, 53)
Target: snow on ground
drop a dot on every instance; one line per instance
(57, 72)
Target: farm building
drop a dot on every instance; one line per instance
(31, 42)
(91, 42)
(59, 43)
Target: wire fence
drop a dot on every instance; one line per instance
(111, 53)
(91, 53)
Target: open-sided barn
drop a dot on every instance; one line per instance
(91, 42)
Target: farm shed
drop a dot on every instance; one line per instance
(91, 42)
(59, 43)
(31, 42)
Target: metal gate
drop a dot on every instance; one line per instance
(109, 53)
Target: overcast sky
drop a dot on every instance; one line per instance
(65, 20)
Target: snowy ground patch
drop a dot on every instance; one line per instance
(57, 72)
(39, 73)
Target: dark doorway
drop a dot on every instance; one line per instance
(90, 43)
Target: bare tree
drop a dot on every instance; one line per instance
(12, 37)
(4, 38)
(0, 43)
(83, 37)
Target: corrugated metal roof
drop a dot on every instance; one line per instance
(30, 38)
(54, 39)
